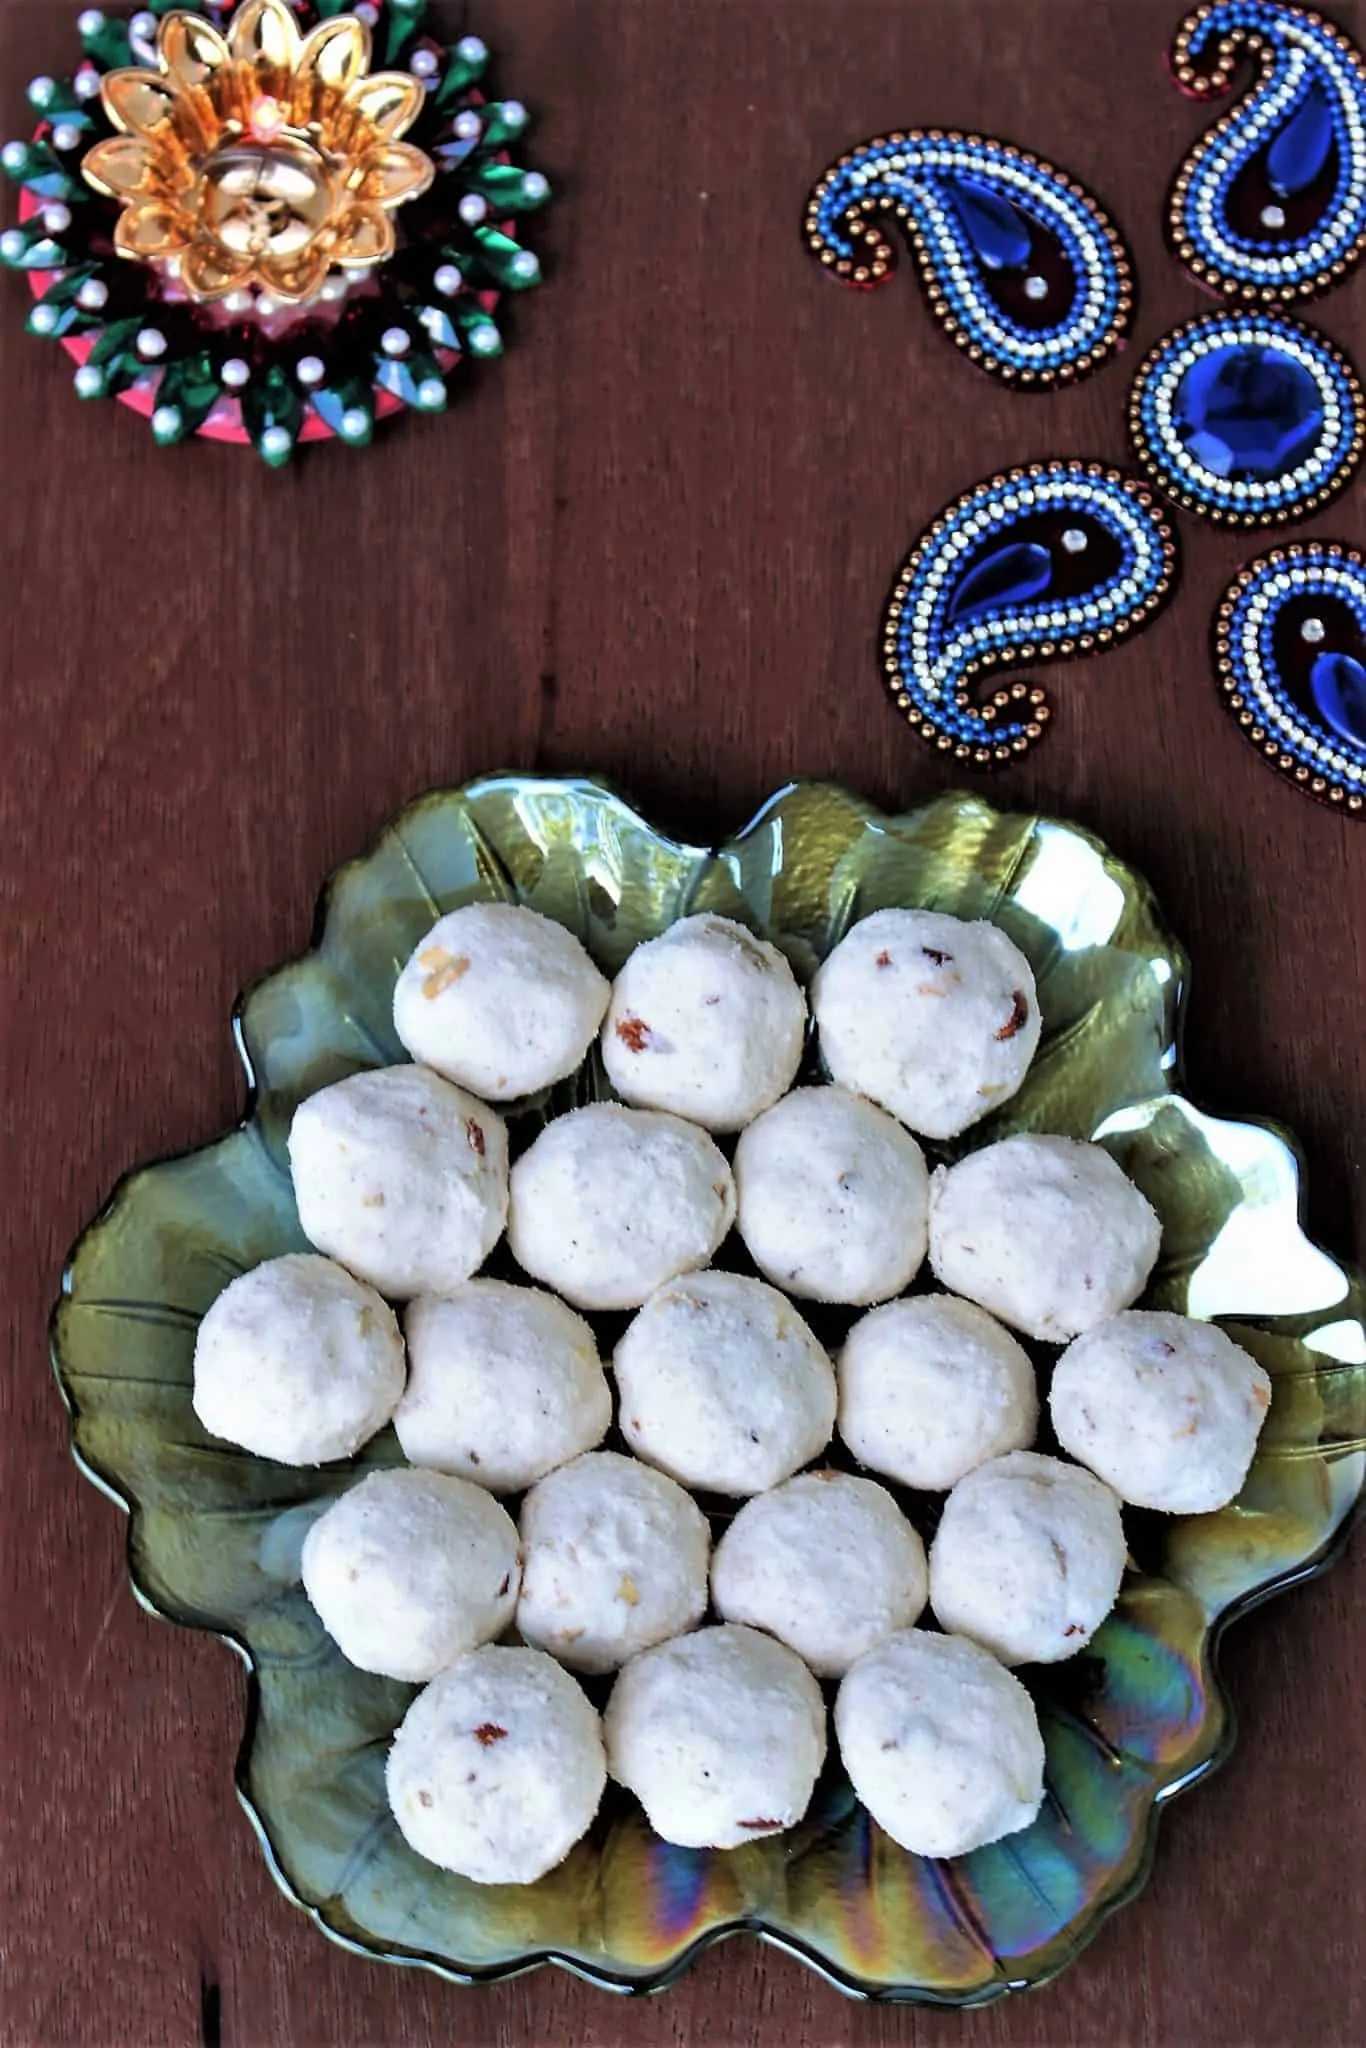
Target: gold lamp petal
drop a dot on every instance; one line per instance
(121, 167)
(295, 281)
(191, 50)
(265, 32)
(394, 172)
(391, 101)
(210, 272)
(366, 236)
(149, 229)
(138, 102)
(336, 52)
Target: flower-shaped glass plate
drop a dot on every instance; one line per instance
(215, 1534)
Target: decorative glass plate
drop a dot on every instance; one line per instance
(215, 1534)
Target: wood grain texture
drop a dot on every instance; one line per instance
(654, 542)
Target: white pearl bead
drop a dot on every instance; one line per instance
(276, 441)
(425, 64)
(89, 380)
(431, 392)
(266, 306)
(448, 280)
(471, 50)
(473, 209)
(235, 373)
(1036, 288)
(310, 370)
(484, 339)
(514, 114)
(41, 90)
(396, 342)
(535, 186)
(1074, 540)
(354, 424)
(14, 156)
(66, 136)
(238, 302)
(93, 295)
(56, 219)
(12, 245)
(1313, 631)
(166, 421)
(151, 344)
(526, 266)
(43, 319)
(467, 127)
(90, 22)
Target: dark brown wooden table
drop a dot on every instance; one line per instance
(653, 542)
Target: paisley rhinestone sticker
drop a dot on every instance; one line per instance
(1021, 266)
(1248, 419)
(1058, 560)
(1271, 203)
(1290, 650)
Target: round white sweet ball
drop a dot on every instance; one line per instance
(833, 1197)
(1027, 1558)
(297, 1361)
(401, 1177)
(722, 1385)
(1167, 1411)
(720, 1735)
(500, 999)
(827, 1563)
(930, 1387)
(615, 1562)
(409, 1570)
(609, 1203)
(497, 1769)
(935, 1018)
(504, 1383)
(707, 1021)
(941, 1745)
(1047, 1233)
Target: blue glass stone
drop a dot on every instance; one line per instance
(1339, 686)
(998, 233)
(1301, 149)
(1248, 413)
(1006, 577)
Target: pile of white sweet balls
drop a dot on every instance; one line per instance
(925, 1023)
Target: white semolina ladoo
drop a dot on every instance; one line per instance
(932, 1016)
(409, 1570)
(833, 1198)
(720, 1735)
(1167, 1411)
(499, 999)
(498, 1769)
(707, 1021)
(615, 1561)
(609, 1203)
(1028, 1558)
(1046, 1233)
(826, 1563)
(400, 1177)
(722, 1385)
(504, 1384)
(298, 1361)
(941, 1744)
(932, 1386)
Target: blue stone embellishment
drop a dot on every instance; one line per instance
(1290, 651)
(1270, 205)
(1058, 560)
(1022, 267)
(1249, 419)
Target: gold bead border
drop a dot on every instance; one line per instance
(1213, 82)
(1323, 788)
(1066, 649)
(1221, 515)
(863, 223)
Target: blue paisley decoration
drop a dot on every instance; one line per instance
(1021, 266)
(1271, 204)
(1290, 648)
(1248, 419)
(1041, 564)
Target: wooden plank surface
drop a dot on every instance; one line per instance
(653, 542)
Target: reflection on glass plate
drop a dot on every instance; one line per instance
(215, 1534)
